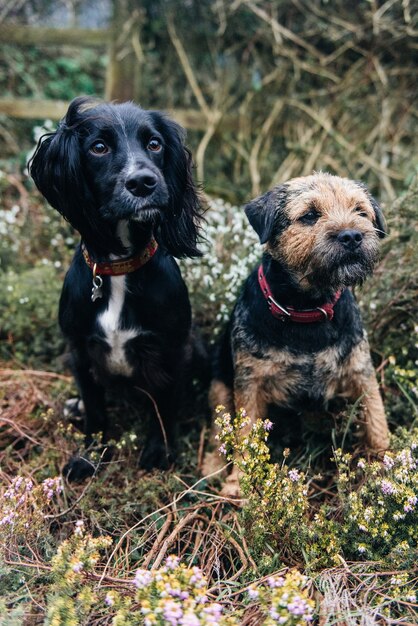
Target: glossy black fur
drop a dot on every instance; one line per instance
(90, 191)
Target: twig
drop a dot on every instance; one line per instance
(37, 373)
(185, 520)
(163, 508)
(158, 540)
(184, 60)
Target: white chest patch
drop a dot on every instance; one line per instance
(110, 321)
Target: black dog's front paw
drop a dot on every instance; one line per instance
(79, 468)
(156, 456)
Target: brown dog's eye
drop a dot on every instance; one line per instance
(310, 217)
(154, 145)
(360, 211)
(99, 148)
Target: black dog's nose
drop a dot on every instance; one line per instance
(350, 239)
(142, 183)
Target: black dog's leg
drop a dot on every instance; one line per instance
(159, 448)
(95, 421)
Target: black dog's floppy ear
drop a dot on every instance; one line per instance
(179, 229)
(264, 212)
(57, 171)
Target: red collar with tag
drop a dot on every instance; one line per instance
(121, 266)
(302, 316)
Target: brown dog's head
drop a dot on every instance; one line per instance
(323, 228)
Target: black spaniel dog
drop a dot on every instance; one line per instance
(122, 177)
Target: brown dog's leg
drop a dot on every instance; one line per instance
(376, 427)
(359, 382)
(219, 395)
(253, 402)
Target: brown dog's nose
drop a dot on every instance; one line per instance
(141, 183)
(350, 239)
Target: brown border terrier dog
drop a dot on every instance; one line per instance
(295, 338)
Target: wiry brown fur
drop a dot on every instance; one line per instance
(305, 366)
(342, 204)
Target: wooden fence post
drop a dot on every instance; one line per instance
(125, 57)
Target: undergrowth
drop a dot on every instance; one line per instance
(327, 533)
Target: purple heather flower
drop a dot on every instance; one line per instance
(172, 612)
(201, 599)
(197, 578)
(388, 462)
(109, 601)
(213, 613)
(51, 485)
(172, 561)
(253, 593)
(294, 475)
(298, 606)
(77, 567)
(143, 577)
(275, 581)
(410, 504)
(176, 593)
(189, 619)
(387, 488)
(222, 449)
(267, 425)
(7, 519)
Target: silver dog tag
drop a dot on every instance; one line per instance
(96, 291)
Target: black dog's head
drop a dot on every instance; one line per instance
(111, 162)
(323, 228)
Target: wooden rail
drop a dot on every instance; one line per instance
(123, 72)
(26, 108)
(39, 36)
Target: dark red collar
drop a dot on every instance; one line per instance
(321, 313)
(121, 266)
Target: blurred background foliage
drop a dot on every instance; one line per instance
(281, 88)
(268, 91)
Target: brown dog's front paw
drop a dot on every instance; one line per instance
(232, 488)
(212, 463)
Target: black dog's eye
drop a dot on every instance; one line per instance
(310, 217)
(154, 144)
(360, 211)
(99, 148)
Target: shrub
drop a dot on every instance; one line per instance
(230, 251)
(373, 517)
(28, 312)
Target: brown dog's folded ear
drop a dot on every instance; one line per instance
(264, 212)
(380, 223)
(379, 220)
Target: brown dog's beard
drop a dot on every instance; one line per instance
(331, 266)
